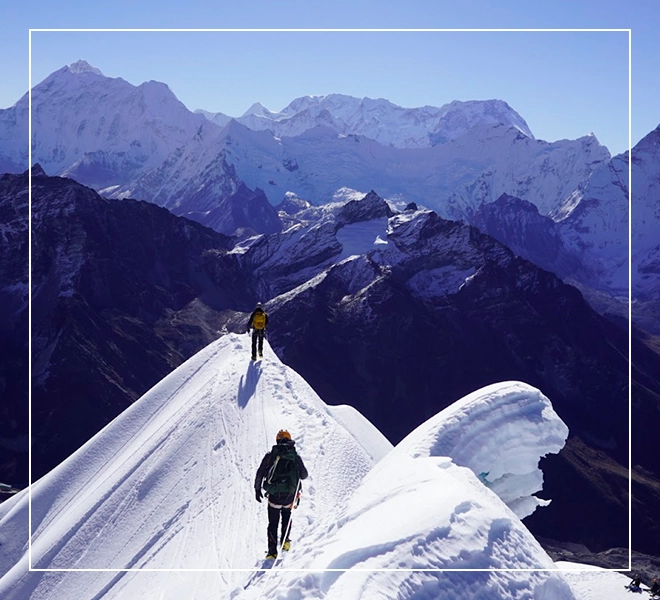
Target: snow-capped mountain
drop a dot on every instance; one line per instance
(381, 120)
(141, 142)
(454, 178)
(127, 140)
(646, 213)
(168, 486)
(646, 231)
(542, 173)
(109, 132)
(594, 225)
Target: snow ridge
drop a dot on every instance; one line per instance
(168, 485)
(82, 66)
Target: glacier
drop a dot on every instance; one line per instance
(159, 504)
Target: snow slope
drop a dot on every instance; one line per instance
(593, 583)
(457, 522)
(168, 485)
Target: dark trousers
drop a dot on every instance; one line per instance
(257, 340)
(273, 521)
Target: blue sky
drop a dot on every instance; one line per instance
(564, 84)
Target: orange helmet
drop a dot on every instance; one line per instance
(283, 434)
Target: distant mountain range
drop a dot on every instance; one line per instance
(141, 142)
(379, 120)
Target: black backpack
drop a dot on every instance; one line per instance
(283, 475)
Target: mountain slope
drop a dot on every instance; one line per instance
(518, 225)
(168, 485)
(123, 292)
(645, 233)
(434, 308)
(141, 142)
(454, 178)
(14, 331)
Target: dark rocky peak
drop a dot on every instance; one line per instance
(14, 329)
(245, 212)
(372, 206)
(508, 215)
(424, 235)
(283, 261)
(517, 224)
(60, 197)
(13, 242)
(37, 171)
(81, 239)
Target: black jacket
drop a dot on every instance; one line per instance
(262, 472)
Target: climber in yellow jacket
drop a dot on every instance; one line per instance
(258, 323)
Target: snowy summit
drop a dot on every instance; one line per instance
(168, 485)
(82, 66)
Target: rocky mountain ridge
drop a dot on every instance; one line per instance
(122, 292)
(375, 308)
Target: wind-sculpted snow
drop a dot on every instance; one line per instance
(168, 485)
(500, 433)
(419, 521)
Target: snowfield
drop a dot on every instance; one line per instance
(160, 503)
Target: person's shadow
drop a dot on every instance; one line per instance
(248, 384)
